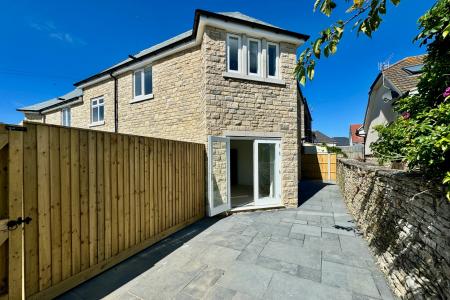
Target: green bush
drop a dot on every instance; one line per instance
(420, 136)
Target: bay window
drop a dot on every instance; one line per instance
(252, 59)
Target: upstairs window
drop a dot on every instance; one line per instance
(143, 83)
(65, 116)
(272, 60)
(254, 53)
(97, 111)
(234, 53)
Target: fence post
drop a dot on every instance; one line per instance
(15, 198)
(329, 167)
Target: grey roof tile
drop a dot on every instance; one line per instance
(37, 107)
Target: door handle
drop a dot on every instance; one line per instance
(13, 224)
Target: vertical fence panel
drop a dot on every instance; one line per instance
(66, 229)
(126, 191)
(55, 199)
(132, 194)
(84, 200)
(120, 218)
(75, 199)
(100, 197)
(107, 192)
(95, 199)
(30, 209)
(92, 156)
(43, 165)
(15, 198)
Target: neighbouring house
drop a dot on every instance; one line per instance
(320, 138)
(391, 83)
(227, 83)
(341, 140)
(354, 139)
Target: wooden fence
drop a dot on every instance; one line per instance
(319, 166)
(95, 198)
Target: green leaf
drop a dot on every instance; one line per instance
(446, 31)
(316, 47)
(310, 70)
(316, 4)
(395, 2)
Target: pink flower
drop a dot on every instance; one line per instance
(447, 92)
(406, 115)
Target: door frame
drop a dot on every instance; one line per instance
(212, 211)
(277, 179)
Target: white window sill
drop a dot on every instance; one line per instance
(97, 124)
(253, 78)
(141, 98)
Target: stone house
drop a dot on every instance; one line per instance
(391, 83)
(227, 83)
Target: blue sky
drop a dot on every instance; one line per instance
(48, 45)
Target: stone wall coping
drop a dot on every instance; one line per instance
(387, 172)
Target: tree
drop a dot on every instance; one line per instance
(366, 16)
(420, 136)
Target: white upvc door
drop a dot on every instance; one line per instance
(218, 175)
(266, 172)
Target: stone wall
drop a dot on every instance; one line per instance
(406, 222)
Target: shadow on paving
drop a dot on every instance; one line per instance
(117, 276)
(308, 188)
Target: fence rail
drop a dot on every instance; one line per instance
(95, 198)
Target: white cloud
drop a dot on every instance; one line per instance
(49, 28)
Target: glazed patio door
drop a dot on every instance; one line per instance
(266, 172)
(218, 175)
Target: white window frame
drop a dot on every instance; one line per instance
(69, 117)
(99, 122)
(258, 58)
(143, 96)
(239, 70)
(277, 60)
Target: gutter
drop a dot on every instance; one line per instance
(116, 104)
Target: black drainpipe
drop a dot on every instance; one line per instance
(116, 105)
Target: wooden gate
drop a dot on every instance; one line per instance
(94, 199)
(319, 166)
(11, 180)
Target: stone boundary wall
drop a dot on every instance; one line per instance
(406, 222)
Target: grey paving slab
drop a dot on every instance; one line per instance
(351, 278)
(247, 278)
(283, 286)
(307, 229)
(300, 256)
(277, 265)
(322, 244)
(310, 252)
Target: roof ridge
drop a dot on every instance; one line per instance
(403, 59)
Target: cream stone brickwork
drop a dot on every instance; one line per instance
(242, 105)
(192, 99)
(175, 110)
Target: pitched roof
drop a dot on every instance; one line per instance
(356, 139)
(54, 102)
(341, 140)
(190, 35)
(403, 74)
(319, 137)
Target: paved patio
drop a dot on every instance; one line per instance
(311, 252)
